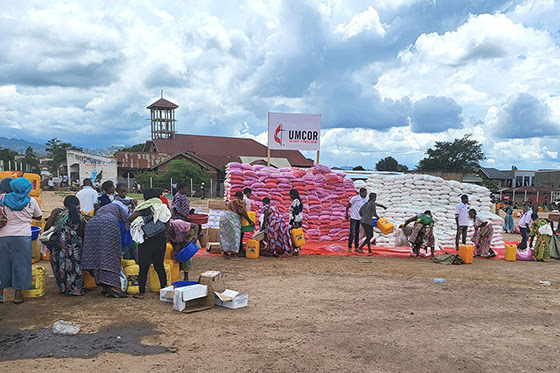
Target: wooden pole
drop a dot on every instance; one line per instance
(318, 156)
(268, 156)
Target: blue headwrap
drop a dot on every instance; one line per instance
(19, 197)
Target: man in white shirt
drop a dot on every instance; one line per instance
(50, 183)
(462, 220)
(246, 195)
(524, 226)
(354, 205)
(88, 197)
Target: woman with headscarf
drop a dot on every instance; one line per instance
(296, 214)
(179, 234)
(542, 229)
(508, 219)
(482, 237)
(15, 238)
(102, 248)
(276, 230)
(66, 253)
(5, 185)
(230, 226)
(422, 234)
(152, 249)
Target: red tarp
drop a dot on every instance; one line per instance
(320, 248)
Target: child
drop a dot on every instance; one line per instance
(128, 204)
(179, 234)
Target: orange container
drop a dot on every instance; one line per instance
(298, 239)
(175, 269)
(89, 281)
(466, 253)
(168, 251)
(385, 226)
(510, 253)
(36, 181)
(252, 249)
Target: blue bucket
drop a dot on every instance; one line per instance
(180, 284)
(187, 252)
(35, 232)
(374, 222)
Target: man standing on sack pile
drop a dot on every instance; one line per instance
(462, 220)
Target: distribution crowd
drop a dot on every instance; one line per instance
(92, 232)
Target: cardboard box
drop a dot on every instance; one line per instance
(214, 247)
(183, 295)
(166, 294)
(217, 205)
(213, 234)
(213, 280)
(554, 216)
(203, 240)
(231, 299)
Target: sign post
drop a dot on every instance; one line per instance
(294, 132)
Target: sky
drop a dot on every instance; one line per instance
(389, 77)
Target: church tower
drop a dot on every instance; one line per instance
(162, 117)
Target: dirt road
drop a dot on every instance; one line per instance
(308, 314)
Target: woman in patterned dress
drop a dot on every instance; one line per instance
(103, 248)
(230, 226)
(482, 237)
(541, 248)
(422, 234)
(276, 231)
(66, 253)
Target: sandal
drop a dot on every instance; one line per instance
(1, 299)
(111, 293)
(138, 296)
(19, 301)
(359, 251)
(234, 257)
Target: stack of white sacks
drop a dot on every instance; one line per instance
(406, 195)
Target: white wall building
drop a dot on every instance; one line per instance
(83, 165)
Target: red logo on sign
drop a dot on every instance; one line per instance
(276, 133)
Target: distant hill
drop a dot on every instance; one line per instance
(21, 145)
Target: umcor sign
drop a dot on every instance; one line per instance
(294, 131)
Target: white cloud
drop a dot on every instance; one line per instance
(368, 20)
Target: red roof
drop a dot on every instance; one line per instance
(163, 103)
(222, 150)
(140, 160)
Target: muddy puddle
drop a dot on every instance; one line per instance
(40, 343)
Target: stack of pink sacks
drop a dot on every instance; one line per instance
(324, 194)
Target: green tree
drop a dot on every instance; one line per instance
(462, 154)
(57, 152)
(358, 168)
(492, 185)
(31, 159)
(133, 148)
(390, 164)
(8, 155)
(180, 170)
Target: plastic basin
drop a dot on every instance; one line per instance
(198, 218)
(35, 232)
(187, 252)
(180, 284)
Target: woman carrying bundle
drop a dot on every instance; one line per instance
(66, 252)
(152, 249)
(482, 237)
(276, 230)
(103, 247)
(543, 230)
(230, 226)
(508, 219)
(422, 234)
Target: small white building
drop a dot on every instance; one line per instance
(83, 166)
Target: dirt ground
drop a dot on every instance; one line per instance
(307, 314)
